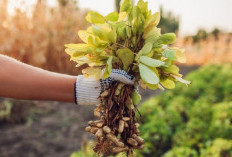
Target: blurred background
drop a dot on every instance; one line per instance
(185, 122)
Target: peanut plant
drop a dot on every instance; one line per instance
(128, 40)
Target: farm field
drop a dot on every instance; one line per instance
(175, 123)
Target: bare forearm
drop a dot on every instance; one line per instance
(21, 81)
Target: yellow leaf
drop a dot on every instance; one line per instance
(167, 83)
(152, 86)
(95, 17)
(112, 16)
(122, 16)
(92, 72)
(84, 35)
(152, 20)
(180, 54)
(126, 56)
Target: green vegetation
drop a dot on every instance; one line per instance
(201, 35)
(168, 22)
(194, 121)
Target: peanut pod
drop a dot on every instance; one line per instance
(88, 128)
(138, 139)
(121, 126)
(115, 140)
(94, 130)
(126, 125)
(105, 93)
(119, 149)
(90, 122)
(106, 129)
(99, 133)
(137, 125)
(118, 89)
(125, 118)
(94, 123)
(140, 147)
(132, 142)
(99, 125)
(97, 114)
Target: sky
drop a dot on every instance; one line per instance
(194, 14)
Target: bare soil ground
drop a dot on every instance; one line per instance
(51, 129)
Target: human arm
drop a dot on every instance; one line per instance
(22, 81)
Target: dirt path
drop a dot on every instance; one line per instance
(53, 129)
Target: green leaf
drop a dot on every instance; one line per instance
(126, 56)
(168, 38)
(112, 36)
(152, 86)
(172, 69)
(146, 49)
(97, 30)
(126, 6)
(136, 97)
(152, 20)
(134, 26)
(95, 17)
(168, 63)
(135, 12)
(167, 83)
(109, 63)
(141, 21)
(121, 31)
(112, 17)
(153, 31)
(128, 31)
(95, 40)
(108, 68)
(151, 39)
(105, 32)
(143, 6)
(148, 75)
(170, 54)
(150, 61)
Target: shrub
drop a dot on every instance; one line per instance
(181, 152)
(218, 148)
(183, 121)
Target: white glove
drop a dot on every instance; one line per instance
(88, 90)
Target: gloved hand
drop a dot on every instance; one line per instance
(88, 90)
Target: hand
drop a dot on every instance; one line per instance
(88, 90)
